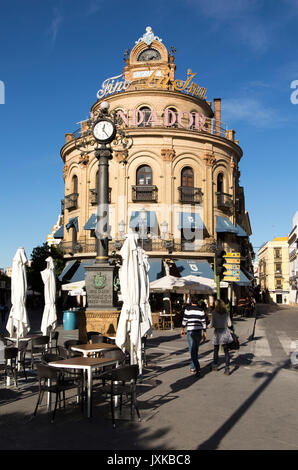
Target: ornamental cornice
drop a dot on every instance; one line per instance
(168, 154)
(119, 155)
(65, 171)
(209, 159)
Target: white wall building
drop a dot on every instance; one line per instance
(293, 255)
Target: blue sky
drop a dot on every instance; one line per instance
(54, 56)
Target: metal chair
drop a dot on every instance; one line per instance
(123, 375)
(55, 337)
(62, 352)
(11, 358)
(72, 342)
(46, 376)
(92, 333)
(98, 339)
(23, 345)
(39, 346)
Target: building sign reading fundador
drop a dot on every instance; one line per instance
(183, 119)
(155, 79)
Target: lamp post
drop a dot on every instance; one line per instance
(99, 137)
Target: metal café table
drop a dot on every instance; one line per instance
(87, 349)
(87, 364)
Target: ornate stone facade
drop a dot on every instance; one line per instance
(182, 160)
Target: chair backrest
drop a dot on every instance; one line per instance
(71, 342)
(40, 341)
(46, 372)
(23, 345)
(63, 352)
(55, 336)
(116, 354)
(92, 333)
(98, 339)
(125, 373)
(51, 357)
(11, 353)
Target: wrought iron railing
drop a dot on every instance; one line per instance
(93, 196)
(71, 201)
(144, 192)
(190, 195)
(224, 201)
(151, 245)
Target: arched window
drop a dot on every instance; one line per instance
(147, 112)
(220, 183)
(187, 178)
(74, 184)
(171, 117)
(144, 175)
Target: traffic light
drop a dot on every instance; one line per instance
(219, 263)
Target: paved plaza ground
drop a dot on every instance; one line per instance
(253, 408)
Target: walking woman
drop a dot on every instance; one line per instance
(221, 322)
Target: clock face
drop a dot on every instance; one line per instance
(104, 131)
(149, 54)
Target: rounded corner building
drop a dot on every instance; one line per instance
(177, 183)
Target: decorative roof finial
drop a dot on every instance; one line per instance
(148, 37)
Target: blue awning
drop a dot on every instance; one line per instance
(155, 271)
(73, 223)
(135, 219)
(248, 274)
(91, 223)
(68, 266)
(60, 232)
(79, 275)
(223, 224)
(243, 280)
(194, 267)
(240, 231)
(190, 220)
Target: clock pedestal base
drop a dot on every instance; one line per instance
(100, 286)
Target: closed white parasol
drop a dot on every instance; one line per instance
(18, 322)
(49, 318)
(128, 336)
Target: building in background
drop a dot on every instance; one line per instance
(51, 239)
(273, 261)
(178, 186)
(8, 271)
(293, 256)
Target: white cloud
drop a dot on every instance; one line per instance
(251, 111)
(94, 7)
(55, 25)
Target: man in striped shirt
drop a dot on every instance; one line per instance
(195, 320)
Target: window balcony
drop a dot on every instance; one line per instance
(224, 201)
(93, 196)
(71, 201)
(144, 193)
(190, 195)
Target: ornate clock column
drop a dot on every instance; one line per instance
(100, 275)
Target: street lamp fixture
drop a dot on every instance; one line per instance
(164, 229)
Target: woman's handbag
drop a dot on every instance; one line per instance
(235, 343)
